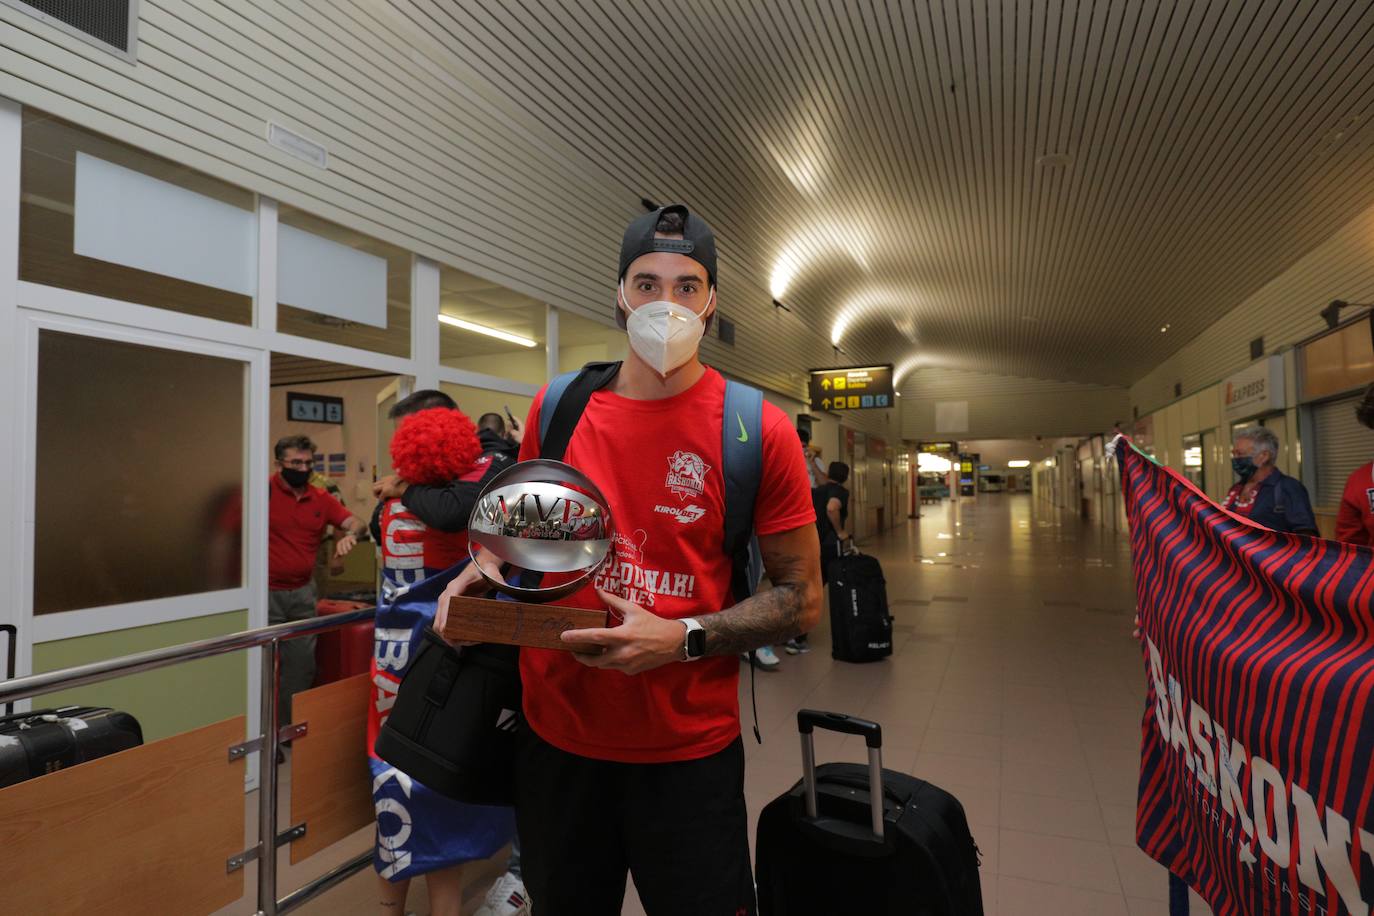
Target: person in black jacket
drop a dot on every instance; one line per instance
(449, 507)
(1263, 493)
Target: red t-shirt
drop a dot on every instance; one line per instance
(1355, 520)
(658, 464)
(295, 527)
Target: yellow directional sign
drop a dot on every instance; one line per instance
(864, 387)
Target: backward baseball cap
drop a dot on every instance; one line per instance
(698, 242)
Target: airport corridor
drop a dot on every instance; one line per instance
(1014, 683)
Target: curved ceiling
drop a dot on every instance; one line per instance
(1031, 189)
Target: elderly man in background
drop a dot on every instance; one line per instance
(1263, 493)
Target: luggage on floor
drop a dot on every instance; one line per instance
(831, 845)
(345, 652)
(860, 627)
(47, 740)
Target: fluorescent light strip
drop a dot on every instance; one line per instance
(1018, 463)
(490, 332)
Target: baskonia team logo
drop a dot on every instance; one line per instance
(686, 474)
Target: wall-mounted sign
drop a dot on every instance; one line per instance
(314, 408)
(1256, 389)
(859, 388)
(939, 448)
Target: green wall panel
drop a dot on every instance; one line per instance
(167, 701)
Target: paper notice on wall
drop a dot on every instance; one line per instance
(951, 416)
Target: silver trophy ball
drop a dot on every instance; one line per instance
(545, 517)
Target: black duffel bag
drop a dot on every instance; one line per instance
(47, 740)
(454, 724)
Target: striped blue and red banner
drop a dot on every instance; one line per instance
(1257, 743)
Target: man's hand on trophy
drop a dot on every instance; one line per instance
(643, 641)
(468, 582)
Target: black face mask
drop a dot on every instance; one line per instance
(1244, 467)
(295, 477)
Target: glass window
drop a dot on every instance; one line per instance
(340, 286)
(581, 341)
(140, 468)
(342, 410)
(485, 327)
(97, 216)
(1194, 461)
(478, 401)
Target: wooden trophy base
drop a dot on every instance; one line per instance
(517, 623)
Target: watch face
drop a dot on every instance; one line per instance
(696, 644)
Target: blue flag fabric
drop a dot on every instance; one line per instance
(419, 830)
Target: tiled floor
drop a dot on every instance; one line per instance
(1015, 684)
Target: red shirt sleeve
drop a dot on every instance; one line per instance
(784, 499)
(529, 446)
(1350, 526)
(336, 514)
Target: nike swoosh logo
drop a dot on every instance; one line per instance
(743, 433)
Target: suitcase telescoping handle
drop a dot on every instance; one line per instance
(808, 720)
(11, 653)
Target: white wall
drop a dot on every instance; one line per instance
(436, 143)
(1001, 406)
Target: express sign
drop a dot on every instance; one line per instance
(859, 388)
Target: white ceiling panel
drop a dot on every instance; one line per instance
(882, 166)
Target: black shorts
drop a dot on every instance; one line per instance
(679, 828)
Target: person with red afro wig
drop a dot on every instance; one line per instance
(419, 831)
(434, 446)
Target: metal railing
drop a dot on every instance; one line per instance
(266, 744)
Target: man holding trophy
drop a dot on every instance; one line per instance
(631, 758)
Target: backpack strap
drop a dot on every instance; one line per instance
(564, 400)
(742, 467)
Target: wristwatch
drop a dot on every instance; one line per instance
(694, 642)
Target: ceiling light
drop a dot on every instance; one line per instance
(1018, 463)
(1054, 160)
(490, 332)
(1165, 329)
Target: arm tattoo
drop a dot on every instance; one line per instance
(766, 618)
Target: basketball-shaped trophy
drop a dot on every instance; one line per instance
(541, 517)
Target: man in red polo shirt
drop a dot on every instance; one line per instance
(298, 515)
(632, 758)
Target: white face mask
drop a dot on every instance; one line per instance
(664, 334)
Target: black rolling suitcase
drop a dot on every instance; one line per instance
(47, 740)
(860, 627)
(830, 846)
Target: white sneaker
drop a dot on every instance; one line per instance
(507, 897)
(767, 659)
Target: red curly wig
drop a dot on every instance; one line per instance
(434, 446)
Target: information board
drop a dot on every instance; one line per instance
(857, 388)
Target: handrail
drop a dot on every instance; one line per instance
(269, 639)
(34, 684)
